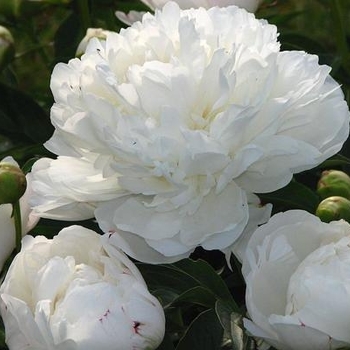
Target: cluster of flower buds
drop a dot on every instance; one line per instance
(334, 190)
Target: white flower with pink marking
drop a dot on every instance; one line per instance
(77, 292)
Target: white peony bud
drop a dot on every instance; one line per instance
(76, 291)
(297, 271)
(90, 33)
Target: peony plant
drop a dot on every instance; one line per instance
(296, 269)
(74, 292)
(165, 132)
(178, 136)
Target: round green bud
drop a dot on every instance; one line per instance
(334, 208)
(13, 183)
(334, 183)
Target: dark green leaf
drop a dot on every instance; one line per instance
(165, 296)
(223, 311)
(207, 277)
(197, 295)
(336, 161)
(232, 323)
(167, 276)
(294, 40)
(166, 343)
(22, 117)
(27, 153)
(67, 38)
(237, 334)
(293, 196)
(204, 333)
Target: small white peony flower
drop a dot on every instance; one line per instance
(29, 220)
(134, 16)
(297, 271)
(77, 292)
(166, 129)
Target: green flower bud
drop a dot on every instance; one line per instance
(334, 208)
(7, 47)
(334, 183)
(13, 183)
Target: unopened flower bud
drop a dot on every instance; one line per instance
(7, 48)
(334, 208)
(12, 183)
(334, 183)
(90, 33)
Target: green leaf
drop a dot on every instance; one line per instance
(223, 312)
(335, 161)
(197, 295)
(22, 118)
(165, 296)
(293, 196)
(188, 281)
(207, 277)
(294, 40)
(166, 276)
(233, 326)
(25, 153)
(204, 333)
(239, 339)
(166, 343)
(68, 37)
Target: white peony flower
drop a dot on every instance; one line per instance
(29, 220)
(167, 128)
(134, 16)
(77, 292)
(297, 272)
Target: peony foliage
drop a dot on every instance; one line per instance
(187, 165)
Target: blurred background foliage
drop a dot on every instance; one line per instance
(203, 299)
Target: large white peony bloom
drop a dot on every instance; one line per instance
(165, 129)
(297, 271)
(77, 292)
(134, 16)
(8, 232)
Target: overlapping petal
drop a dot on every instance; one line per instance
(296, 271)
(77, 291)
(176, 120)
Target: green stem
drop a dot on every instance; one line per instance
(18, 224)
(84, 13)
